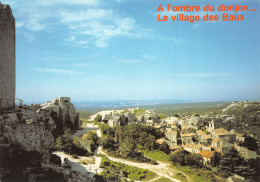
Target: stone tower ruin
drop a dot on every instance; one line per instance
(7, 57)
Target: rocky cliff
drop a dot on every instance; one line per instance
(27, 138)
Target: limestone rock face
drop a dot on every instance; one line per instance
(27, 137)
(64, 113)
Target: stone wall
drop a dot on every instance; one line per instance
(7, 57)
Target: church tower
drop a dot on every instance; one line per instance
(211, 126)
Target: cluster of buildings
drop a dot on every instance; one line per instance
(204, 142)
(185, 133)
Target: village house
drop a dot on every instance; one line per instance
(202, 137)
(174, 148)
(187, 138)
(171, 127)
(206, 155)
(172, 136)
(207, 148)
(185, 129)
(217, 142)
(245, 153)
(219, 149)
(220, 130)
(113, 122)
(131, 117)
(162, 127)
(226, 136)
(161, 140)
(192, 148)
(149, 122)
(240, 137)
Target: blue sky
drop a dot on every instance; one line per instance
(117, 50)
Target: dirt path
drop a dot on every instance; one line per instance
(162, 169)
(91, 168)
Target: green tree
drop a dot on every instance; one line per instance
(123, 120)
(65, 142)
(127, 148)
(215, 160)
(178, 157)
(108, 142)
(93, 138)
(250, 143)
(230, 161)
(165, 148)
(98, 118)
(149, 143)
(194, 160)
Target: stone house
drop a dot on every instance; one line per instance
(202, 137)
(192, 148)
(206, 155)
(226, 136)
(185, 129)
(245, 153)
(219, 130)
(131, 117)
(172, 136)
(113, 122)
(149, 122)
(240, 137)
(161, 140)
(217, 142)
(187, 138)
(207, 148)
(162, 127)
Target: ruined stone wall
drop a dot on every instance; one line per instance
(7, 57)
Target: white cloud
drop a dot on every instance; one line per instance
(84, 15)
(19, 24)
(59, 71)
(202, 75)
(84, 25)
(77, 2)
(101, 27)
(145, 56)
(127, 60)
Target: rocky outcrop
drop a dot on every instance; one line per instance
(241, 107)
(27, 138)
(63, 112)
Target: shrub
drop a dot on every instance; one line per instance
(55, 159)
(153, 162)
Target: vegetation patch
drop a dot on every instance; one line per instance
(157, 155)
(113, 171)
(180, 177)
(163, 179)
(139, 112)
(129, 140)
(196, 174)
(71, 146)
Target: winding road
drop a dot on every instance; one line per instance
(162, 169)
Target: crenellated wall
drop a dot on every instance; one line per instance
(7, 57)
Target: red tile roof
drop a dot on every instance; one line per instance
(207, 154)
